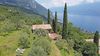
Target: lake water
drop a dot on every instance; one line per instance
(89, 23)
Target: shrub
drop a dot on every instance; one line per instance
(65, 48)
(62, 44)
(78, 45)
(40, 33)
(90, 49)
(43, 44)
(37, 51)
(23, 42)
(77, 53)
(77, 41)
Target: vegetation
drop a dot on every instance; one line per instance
(12, 19)
(23, 42)
(16, 32)
(65, 23)
(65, 48)
(42, 46)
(15, 24)
(96, 40)
(49, 19)
(90, 49)
(40, 32)
(9, 43)
(37, 51)
(55, 24)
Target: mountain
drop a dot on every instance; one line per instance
(14, 18)
(27, 4)
(85, 15)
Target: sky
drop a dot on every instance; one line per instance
(76, 19)
(60, 3)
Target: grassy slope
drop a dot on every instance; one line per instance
(14, 13)
(54, 51)
(8, 44)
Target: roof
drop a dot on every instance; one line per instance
(91, 40)
(53, 36)
(42, 26)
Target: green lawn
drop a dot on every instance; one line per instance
(8, 44)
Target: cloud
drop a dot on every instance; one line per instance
(60, 3)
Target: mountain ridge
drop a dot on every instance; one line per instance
(27, 4)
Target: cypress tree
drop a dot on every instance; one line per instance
(55, 27)
(96, 39)
(53, 24)
(49, 19)
(65, 22)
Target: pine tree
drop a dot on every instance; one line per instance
(96, 39)
(55, 27)
(49, 19)
(65, 22)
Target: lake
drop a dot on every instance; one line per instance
(89, 23)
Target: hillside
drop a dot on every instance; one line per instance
(15, 23)
(27, 4)
(16, 32)
(12, 21)
(12, 18)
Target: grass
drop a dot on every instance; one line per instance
(8, 44)
(70, 53)
(54, 51)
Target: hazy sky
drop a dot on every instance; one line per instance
(60, 3)
(77, 19)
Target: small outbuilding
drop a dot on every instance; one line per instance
(48, 27)
(42, 26)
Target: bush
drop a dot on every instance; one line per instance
(42, 43)
(40, 33)
(78, 45)
(65, 48)
(23, 42)
(37, 51)
(78, 53)
(62, 44)
(90, 49)
(77, 41)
